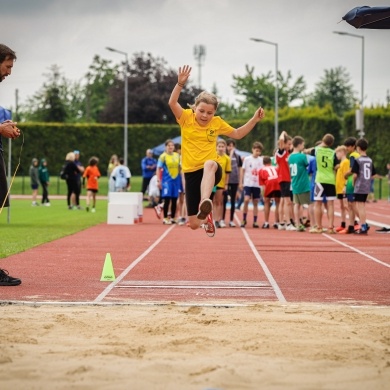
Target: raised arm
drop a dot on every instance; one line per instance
(247, 128)
(173, 102)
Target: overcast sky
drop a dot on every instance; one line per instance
(70, 32)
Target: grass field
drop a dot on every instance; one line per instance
(25, 226)
(21, 185)
(32, 226)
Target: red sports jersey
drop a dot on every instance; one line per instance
(268, 177)
(281, 158)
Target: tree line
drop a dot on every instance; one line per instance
(99, 96)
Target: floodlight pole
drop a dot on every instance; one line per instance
(361, 131)
(276, 132)
(199, 54)
(125, 130)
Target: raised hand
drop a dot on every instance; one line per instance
(184, 74)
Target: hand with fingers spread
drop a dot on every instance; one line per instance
(183, 75)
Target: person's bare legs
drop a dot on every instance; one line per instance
(267, 208)
(206, 187)
(331, 213)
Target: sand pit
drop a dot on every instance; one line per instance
(189, 347)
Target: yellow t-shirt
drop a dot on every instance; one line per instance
(199, 143)
(226, 165)
(340, 181)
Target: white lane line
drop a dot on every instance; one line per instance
(267, 272)
(369, 221)
(357, 250)
(107, 290)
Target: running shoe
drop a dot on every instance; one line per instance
(243, 223)
(265, 225)
(217, 225)
(315, 230)
(167, 221)
(209, 226)
(205, 208)
(275, 225)
(361, 231)
(290, 227)
(340, 228)
(158, 211)
(331, 230)
(348, 230)
(255, 225)
(301, 228)
(232, 224)
(222, 223)
(6, 280)
(383, 230)
(281, 226)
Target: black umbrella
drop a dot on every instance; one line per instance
(369, 17)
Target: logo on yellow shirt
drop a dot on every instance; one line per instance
(211, 134)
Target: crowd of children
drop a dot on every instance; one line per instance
(302, 185)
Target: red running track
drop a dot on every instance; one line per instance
(157, 263)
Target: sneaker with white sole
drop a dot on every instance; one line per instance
(222, 223)
(209, 226)
(205, 208)
(158, 210)
(232, 224)
(290, 227)
(281, 226)
(167, 221)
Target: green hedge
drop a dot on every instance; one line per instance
(377, 133)
(54, 140)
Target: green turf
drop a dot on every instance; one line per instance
(21, 185)
(31, 226)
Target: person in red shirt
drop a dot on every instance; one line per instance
(281, 158)
(269, 179)
(92, 175)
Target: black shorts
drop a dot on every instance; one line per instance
(341, 196)
(285, 191)
(324, 189)
(274, 194)
(92, 190)
(3, 183)
(192, 183)
(360, 197)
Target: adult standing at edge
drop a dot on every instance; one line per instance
(199, 134)
(8, 129)
(80, 167)
(148, 165)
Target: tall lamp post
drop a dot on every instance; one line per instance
(276, 133)
(360, 116)
(125, 130)
(199, 54)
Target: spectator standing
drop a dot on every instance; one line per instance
(80, 168)
(234, 180)
(249, 182)
(168, 179)
(121, 176)
(92, 175)
(298, 163)
(114, 162)
(341, 154)
(268, 178)
(353, 213)
(148, 165)
(325, 182)
(222, 186)
(8, 129)
(44, 179)
(70, 172)
(281, 159)
(34, 180)
(363, 170)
